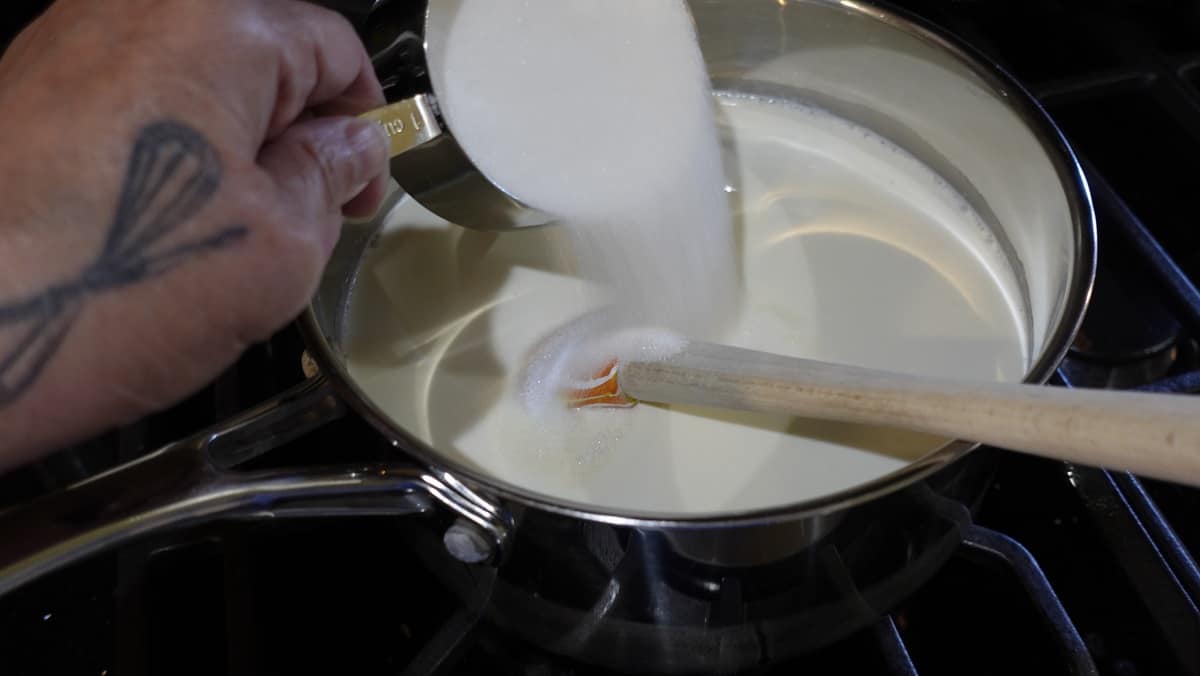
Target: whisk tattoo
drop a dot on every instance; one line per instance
(172, 173)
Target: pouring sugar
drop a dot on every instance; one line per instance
(601, 114)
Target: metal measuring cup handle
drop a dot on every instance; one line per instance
(429, 165)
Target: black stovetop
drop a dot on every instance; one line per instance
(1064, 569)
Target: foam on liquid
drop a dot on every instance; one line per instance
(851, 251)
(569, 358)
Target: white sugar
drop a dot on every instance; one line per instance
(600, 113)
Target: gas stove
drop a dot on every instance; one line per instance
(1062, 569)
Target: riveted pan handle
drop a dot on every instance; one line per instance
(191, 481)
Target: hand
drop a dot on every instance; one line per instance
(174, 177)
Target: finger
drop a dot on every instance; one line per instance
(323, 164)
(365, 93)
(324, 66)
(367, 202)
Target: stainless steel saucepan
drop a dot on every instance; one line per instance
(845, 555)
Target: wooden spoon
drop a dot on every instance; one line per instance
(1155, 435)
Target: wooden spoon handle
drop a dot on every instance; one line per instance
(1155, 435)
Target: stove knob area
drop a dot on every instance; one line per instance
(468, 543)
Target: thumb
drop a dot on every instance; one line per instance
(321, 165)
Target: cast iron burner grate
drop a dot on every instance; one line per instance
(1066, 570)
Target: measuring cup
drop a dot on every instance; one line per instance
(427, 161)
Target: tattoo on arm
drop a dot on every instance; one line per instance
(173, 172)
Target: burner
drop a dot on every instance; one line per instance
(1128, 337)
(1127, 322)
(619, 599)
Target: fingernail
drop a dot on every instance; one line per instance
(366, 136)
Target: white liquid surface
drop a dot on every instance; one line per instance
(851, 251)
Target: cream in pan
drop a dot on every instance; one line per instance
(851, 251)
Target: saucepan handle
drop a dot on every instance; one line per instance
(189, 481)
